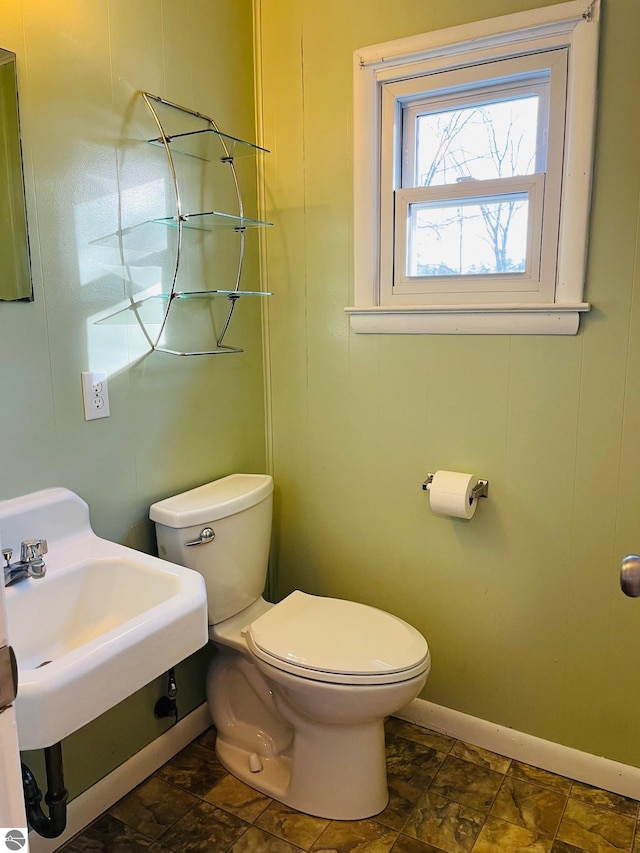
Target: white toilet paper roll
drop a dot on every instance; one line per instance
(450, 494)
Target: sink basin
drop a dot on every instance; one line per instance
(104, 621)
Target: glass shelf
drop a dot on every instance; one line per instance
(213, 220)
(209, 145)
(152, 309)
(234, 294)
(198, 137)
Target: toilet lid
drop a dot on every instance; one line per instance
(343, 638)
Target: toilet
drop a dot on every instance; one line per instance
(299, 690)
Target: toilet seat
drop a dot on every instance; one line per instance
(336, 641)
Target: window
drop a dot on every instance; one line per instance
(473, 161)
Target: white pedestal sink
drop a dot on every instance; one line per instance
(104, 621)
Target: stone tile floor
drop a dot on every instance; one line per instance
(445, 795)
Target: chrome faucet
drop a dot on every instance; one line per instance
(30, 564)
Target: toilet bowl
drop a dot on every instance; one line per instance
(298, 690)
(320, 675)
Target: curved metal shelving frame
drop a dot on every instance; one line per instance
(239, 223)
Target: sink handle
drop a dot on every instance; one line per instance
(206, 535)
(33, 549)
(31, 553)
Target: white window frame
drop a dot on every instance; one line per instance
(539, 279)
(400, 288)
(386, 74)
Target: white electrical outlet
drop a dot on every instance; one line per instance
(95, 394)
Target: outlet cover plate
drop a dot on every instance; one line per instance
(95, 394)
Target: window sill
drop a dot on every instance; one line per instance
(556, 319)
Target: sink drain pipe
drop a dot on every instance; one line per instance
(166, 705)
(56, 796)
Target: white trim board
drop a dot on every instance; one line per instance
(101, 796)
(389, 74)
(562, 760)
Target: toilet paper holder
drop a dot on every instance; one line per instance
(480, 490)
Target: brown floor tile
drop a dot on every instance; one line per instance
(468, 784)
(535, 808)
(406, 844)
(445, 796)
(604, 799)
(392, 724)
(411, 761)
(299, 829)
(208, 738)
(358, 836)
(477, 755)
(107, 834)
(499, 836)
(426, 737)
(234, 796)
(203, 829)
(403, 797)
(153, 807)
(539, 777)
(594, 829)
(254, 840)
(195, 770)
(446, 825)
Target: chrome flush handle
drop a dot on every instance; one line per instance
(206, 535)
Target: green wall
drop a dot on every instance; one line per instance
(521, 606)
(174, 423)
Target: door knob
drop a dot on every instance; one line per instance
(630, 575)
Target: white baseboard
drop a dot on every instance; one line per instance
(101, 796)
(563, 760)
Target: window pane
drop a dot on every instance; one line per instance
(468, 237)
(477, 142)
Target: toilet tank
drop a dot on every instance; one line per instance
(233, 561)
